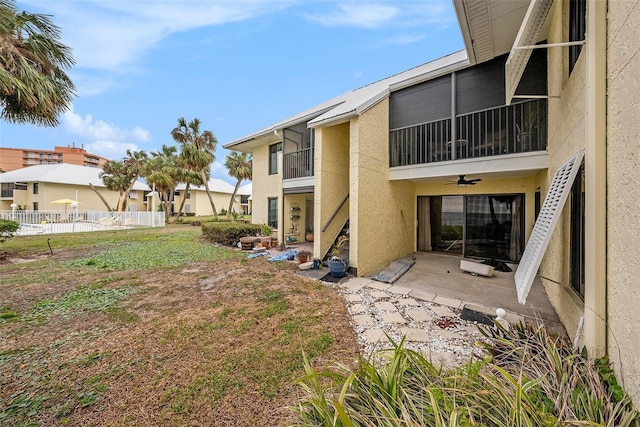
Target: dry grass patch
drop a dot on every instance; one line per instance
(205, 338)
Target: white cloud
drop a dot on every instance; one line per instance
(364, 15)
(381, 14)
(101, 137)
(115, 35)
(110, 149)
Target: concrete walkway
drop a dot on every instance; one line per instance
(430, 305)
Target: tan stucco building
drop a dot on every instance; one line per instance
(197, 201)
(521, 148)
(36, 187)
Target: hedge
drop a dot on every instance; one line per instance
(228, 233)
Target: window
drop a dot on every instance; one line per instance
(576, 266)
(273, 158)
(188, 195)
(272, 219)
(187, 208)
(577, 29)
(133, 194)
(35, 190)
(35, 206)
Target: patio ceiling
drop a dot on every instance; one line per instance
(489, 27)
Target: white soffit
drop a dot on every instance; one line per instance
(529, 34)
(546, 222)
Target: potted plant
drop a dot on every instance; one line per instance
(338, 265)
(265, 235)
(309, 235)
(304, 256)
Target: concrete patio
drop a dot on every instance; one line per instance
(437, 274)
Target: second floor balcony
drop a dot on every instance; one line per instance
(518, 128)
(298, 164)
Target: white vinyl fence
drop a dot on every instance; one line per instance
(51, 222)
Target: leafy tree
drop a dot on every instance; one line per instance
(163, 170)
(240, 166)
(34, 87)
(7, 228)
(197, 150)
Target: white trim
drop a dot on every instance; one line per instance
(529, 33)
(546, 222)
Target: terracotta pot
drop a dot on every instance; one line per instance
(309, 237)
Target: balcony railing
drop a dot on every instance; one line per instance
(298, 164)
(517, 128)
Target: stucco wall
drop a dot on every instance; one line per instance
(89, 200)
(199, 202)
(382, 212)
(294, 227)
(566, 136)
(331, 169)
(265, 186)
(623, 192)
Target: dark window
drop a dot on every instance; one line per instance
(273, 158)
(188, 195)
(577, 28)
(35, 206)
(576, 268)
(273, 212)
(35, 189)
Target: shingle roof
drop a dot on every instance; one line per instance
(359, 100)
(61, 173)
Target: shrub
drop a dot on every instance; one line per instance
(7, 228)
(228, 233)
(531, 379)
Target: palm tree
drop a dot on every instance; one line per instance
(189, 176)
(134, 163)
(240, 166)
(121, 175)
(115, 177)
(163, 170)
(34, 87)
(197, 150)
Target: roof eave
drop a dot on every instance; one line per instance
(461, 14)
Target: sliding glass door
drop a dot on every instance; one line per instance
(478, 226)
(493, 225)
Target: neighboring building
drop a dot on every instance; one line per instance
(245, 192)
(36, 187)
(459, 154)
(16, 158)
(197, 201)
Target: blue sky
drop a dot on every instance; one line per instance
(236, 65)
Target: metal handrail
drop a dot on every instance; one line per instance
(335, 214)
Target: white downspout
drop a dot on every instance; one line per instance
(595, 298)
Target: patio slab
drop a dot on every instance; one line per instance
(439, 275)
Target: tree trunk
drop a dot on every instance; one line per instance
(233, 196)
(206, 187)
(101, 197)
(120, 202)
(184, 199)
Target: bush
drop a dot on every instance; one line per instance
(7, 228)
(228, 233)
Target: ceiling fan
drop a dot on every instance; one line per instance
(461, 182)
